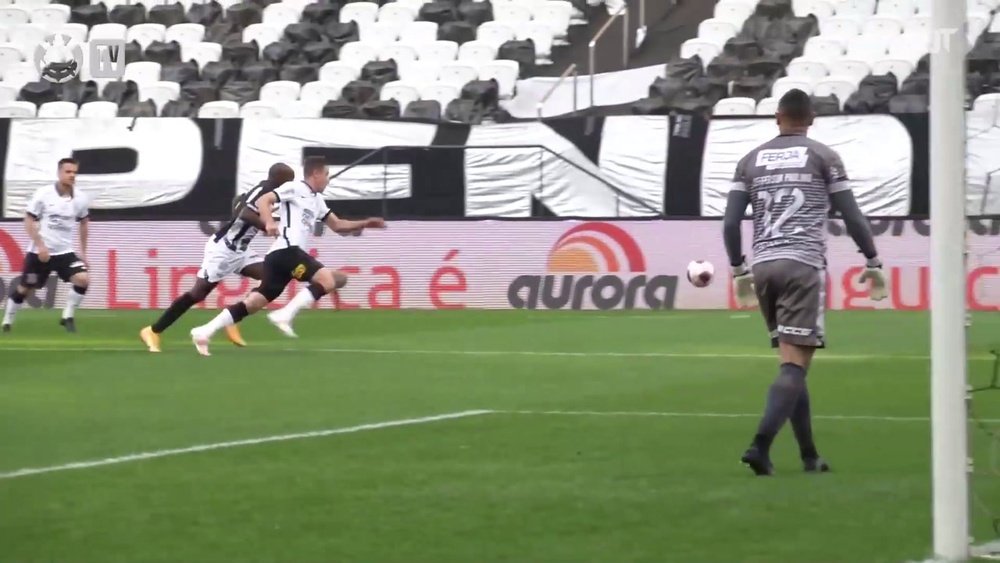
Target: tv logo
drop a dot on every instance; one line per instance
(60, 59)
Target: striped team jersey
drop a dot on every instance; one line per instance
(237, 233)
(790, 179)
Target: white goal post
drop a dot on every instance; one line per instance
(949, 413)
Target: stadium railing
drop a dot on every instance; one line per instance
(571, 70)
(384, 152)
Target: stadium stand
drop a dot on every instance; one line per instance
(287, 58)
(853, 56)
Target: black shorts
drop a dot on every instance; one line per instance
(283, 266)
(792, 296)
(36, 272)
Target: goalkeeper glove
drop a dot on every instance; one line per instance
(743, 287)
(875, 278)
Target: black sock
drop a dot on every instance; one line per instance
(317, 290)
(802, 426)
(80, 290)
(15, 296)
(782, 398)
(238, 312)
(174, 312)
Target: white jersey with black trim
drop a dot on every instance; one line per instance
(56, 215)
(300, 208)
(237, 233)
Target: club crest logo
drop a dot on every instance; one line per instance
(59, 58)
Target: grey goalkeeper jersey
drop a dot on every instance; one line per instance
(789, 180)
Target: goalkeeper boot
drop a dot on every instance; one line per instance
(815, 465)
(758, 461)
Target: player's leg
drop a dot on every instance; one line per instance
(251, 267)
(72, 270)
(201, 289)
(34, 274)
(276, 276)
(322, 280)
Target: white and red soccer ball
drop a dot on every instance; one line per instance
(700, 273)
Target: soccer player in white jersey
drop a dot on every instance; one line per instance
(791, 182)
(49, 219)
(227, 252)
(300, 207)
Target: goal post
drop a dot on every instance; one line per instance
(949, 414)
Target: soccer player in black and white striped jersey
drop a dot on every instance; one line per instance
(792, 181)
(227, 252)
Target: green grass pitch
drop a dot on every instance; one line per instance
(610, 437)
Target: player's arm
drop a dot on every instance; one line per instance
(252, 217)
(266, 205)
(732, 237)
(32, 216)
(349, 227)
(843, 202)
(83, 218)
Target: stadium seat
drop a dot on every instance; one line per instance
(735, 106)
(901, 8)
(339, 72)
(186, 33)
(10, 55)
(112, 31)
(809, 69)
(400, 91)
(556, 14)
(439, 92)
(852, 68)
(440, 51)
(219, 109)
(76, 31)
(202, 52)
(13, 15)
(57, 110)
(845, 27)
(146, 33)
(542, 38)
(321, 91)
(477, 52)
(281, 91)
(159, 92)
(358, 54)
(824, 48)
(395, 12)
(986, 103)
(262, 34)
(917, 24)
(397, 52)
(767, 106)
(716, 31)
(783, 85)
(98, 110)
(379, 34)
(418, 33)
(8, 93)
(17, 109)
(51, 17)
(19, 74)
(280, 15)
(27, 37)
(420, 72)
(259, 109)
(819, 8)
(909, 46)
(361, 12)
(511, 14)
(29, 4)
(734, 11)
(496, 33)
(504, 72)
(299, 108)
(883, 25)
(142, 72)
(869, 48)
(706, 50)
(900, 68)
(841, 86)
(458, 74)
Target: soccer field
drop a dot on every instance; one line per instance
(467, 436)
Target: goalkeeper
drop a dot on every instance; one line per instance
(792, 181)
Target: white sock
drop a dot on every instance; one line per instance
(304, 298)
(73, 300)
(8, 314)
(222, 320)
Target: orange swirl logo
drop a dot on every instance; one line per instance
(613, 270)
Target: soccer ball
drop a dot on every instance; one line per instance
(700, 273)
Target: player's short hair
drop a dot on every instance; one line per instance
(67, 160)
(279, 173)
(313, 163)
(796, 105)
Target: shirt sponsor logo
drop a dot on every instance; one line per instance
(776, 159)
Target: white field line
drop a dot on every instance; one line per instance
(864, 418)
(423, 420)
(823, 356)
(239, 443)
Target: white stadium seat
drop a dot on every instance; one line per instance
(504, 72)
(846, 27)
(898, 67)
(259, 109)
(361, 12)
(17, 109)
(542, 38)
(458, 73)
(862, 8)
(853, 68)
(159, 92)
(29, 4)
(8, 93)
(420, 72)
(477, 52)
(767, 106)
(883, 25)
(419, 33)
(910, 46)
(808, 69)
(62, 110)
(13, 15)
(202, 52)
(511, 14)
(920, 23)
(414, 5)
(735, 106)
(262, 34)
(146, 33)
(555, 14)
(98, 110)
(19, 74)
(280, 91)
(396, 12)
(380, 33)
(75, 31)
(869, 48)
(321, 91)
(704, 49)
(824, 48)
(280, 15)
(397, 52)
(219, 110)
(186, 33)
(300, 108)
(27, 37)
(442, 93)
(783, 85)
(496, 33)
(112, 31)
(400, 91)
(978, 21)
(716, 31)
(840, 86)
(901, 8)
(734, 11)
(441, 51)
(142, 72)
(358, 54)
(51, 16)
(820, 8)
(986, 103)
(339, 72)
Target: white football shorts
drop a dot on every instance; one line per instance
(220, 261)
